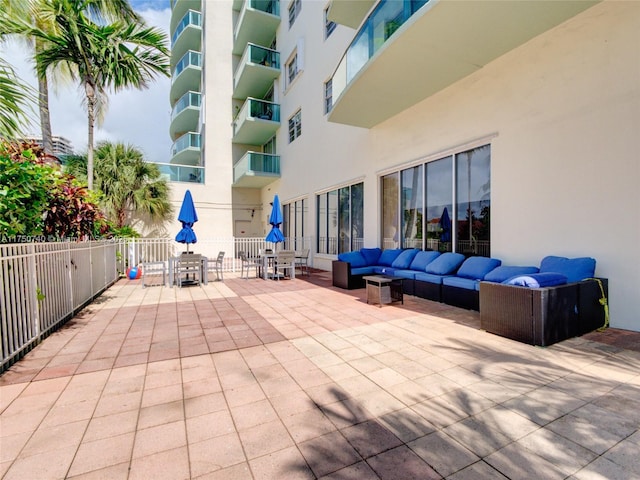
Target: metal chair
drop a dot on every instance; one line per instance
(189, 269)
(302, 261)
(216, 265)
(285, 261)
(248, 263)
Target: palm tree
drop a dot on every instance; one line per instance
(101, 56)
(16, 100)
(38, 15)
(130, 186)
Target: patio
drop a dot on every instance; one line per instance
(254, 379)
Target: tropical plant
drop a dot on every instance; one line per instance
(16, 100)
(101, 56)
(38, 15)
(130, 186)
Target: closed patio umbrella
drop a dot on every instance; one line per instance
(275, 219)
(187, 217)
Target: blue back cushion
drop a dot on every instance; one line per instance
(537, 280)
(506, 272)
(371, 255)
(476, 268)
(356, 259)
(445, 264)
(388, 256)
(575, 269)
(422, 259)
(405, 258)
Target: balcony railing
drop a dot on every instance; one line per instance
(261, 56)
(192, 18)
(385, 19)
(257, 170)
(189, 99)
(189, 59)
(256, 23)
(257, 121)
(257, 69)
(186, 141)
(182, 173)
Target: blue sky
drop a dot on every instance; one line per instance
(137, 117)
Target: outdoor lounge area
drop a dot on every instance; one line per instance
(247, 379)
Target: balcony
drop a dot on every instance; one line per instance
(179, 8)
(257, 23)
(187, 35)
(181, 173)
(256, 170)
(257, 122)
(404, 54)
(257, 70)
(349, 12)
(186, 149)
(185, 114)
(186, 75)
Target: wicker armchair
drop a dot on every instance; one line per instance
(543, 316)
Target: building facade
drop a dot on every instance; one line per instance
(489, 128)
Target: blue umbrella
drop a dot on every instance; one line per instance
(275, 219)
(445, 225)
(187, 217)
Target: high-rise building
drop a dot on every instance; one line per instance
(375, 120)
(61, 145)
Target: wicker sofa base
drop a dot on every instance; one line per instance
(461, 297)
(342, 277)
(541, 316)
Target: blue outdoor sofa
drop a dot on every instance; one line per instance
(536, 305)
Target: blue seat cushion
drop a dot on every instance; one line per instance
(356, 259)
(371, 255)
(383, 270)
(575, 269)
(460, 282)
(388, 256)
(475, 268)
(411, 274)
(538, 280)
(505, 272)
(362, 271)
(404, 260)
(445, 264)
(429, 277)
(422, 259)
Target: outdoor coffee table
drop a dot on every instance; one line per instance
(383, 289)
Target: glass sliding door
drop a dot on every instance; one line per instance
(439, 205)
(390, 210)
(340, 219)
(473, 201)
(357, 216)
(412, 204)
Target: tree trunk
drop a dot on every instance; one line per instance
(91, 101)
(43, 106)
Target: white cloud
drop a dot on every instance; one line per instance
(137, 117)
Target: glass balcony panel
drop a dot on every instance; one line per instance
(189, 59)
(263, 56)
(257, 23)
(257, 122)
(186, 141)
(255, 170)
(181, 173)
(267, 6)
(189, 99)
(191, 18)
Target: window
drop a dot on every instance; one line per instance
(328, 96)
(441, 205)
(295, 126)
(294, 11)
(293, 226)
(292, 69)
(341, 220)
(329, 26)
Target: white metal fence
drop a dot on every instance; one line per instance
(42, 285)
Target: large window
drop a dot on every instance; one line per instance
(295, 126)
(293, 225)
(441, 205)
(340, 219)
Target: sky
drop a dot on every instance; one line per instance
(137, 117)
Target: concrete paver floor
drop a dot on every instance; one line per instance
(253, 379)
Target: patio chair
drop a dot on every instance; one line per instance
(189, 269)
(284, 262)
(249, 263)
(302, 261)
(216, 265)
(153, 269)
